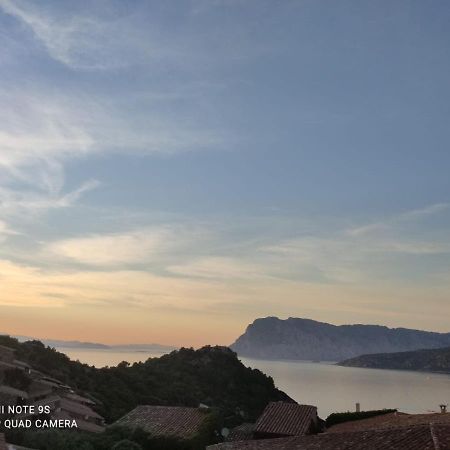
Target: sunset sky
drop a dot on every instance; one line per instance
(172, 170)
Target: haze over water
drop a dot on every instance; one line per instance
(331, 388)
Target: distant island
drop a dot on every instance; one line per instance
(427, 360)
(57, 343)
(305, 339)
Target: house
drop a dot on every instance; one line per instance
(66, 409)
(44, 390)
(12, 396)
(416, 437)
(80, 399)
(38, 391)
(79, 411)
(391, 420)
(166, 421)
(242, 432)
(282, 419)
(22, 366)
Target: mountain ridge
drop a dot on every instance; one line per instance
(307, 339)
(95, 345)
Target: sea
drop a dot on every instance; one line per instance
(330, 387)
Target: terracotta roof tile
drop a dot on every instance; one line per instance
(389, 421)
(286, 419)
(419, 437)
(78, 408)
(80, 399)
(175, 421)
(13, 392)
(242, 432)
(37, 389)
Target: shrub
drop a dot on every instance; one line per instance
(335, 418)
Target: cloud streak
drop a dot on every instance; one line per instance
(116, 250)
(408, 216)
(79, 41)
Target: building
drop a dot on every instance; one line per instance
(38, 391)
(12, 396)
(282, 419)
(167, 421)
(391, 420)
(415, 437)
(242, 432)
(68, 409)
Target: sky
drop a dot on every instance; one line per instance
(171, 171)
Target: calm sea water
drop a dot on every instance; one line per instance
(331, 388)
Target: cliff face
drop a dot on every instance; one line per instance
(429, 360)
(293, 338)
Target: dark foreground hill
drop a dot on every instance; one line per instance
(186, 377)
(429, 360)
(273, 338)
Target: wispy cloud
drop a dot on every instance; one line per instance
(362, 254)
(37, 133)
(6, 231)
(219, 268)
(88, 38)
(45, 127)
(424, 212)
(115, 249)
(138, 247)
(41, 133)
(412, 215)
(15, 202)
(76, 40)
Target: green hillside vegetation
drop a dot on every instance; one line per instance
(186, 377)
(428, 360)
(335, 418)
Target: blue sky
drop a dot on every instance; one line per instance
(202, 163)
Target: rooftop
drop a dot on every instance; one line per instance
(78, 408)
(37, 389)
(241, 432)
(177, 421)
(418, 437)
(80, 399)
(8, 390)
(390, 420)
(288, 419)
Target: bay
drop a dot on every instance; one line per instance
(329, 387)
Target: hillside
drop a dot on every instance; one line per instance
(429, 360)
(305, 339)
(211, 375)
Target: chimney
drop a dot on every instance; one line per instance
(358, 407)
(443, 408)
